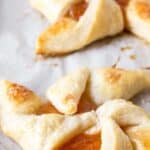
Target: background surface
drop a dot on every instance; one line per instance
(19, 28)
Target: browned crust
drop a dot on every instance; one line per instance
(113, 75)
(18, 93)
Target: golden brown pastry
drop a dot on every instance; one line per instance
(113, 137)
(112, 83)
(17, 98)
(65, 94)
(123, 124)
(81, 23)
(44, 132)
(133, 120)
(52, 9)
(37, 132)
(103, 85)
(137, 17)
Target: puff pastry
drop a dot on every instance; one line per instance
(132, 119)
(69, 34)
(103, 85)
(137, 16)
(65, 94)
(38, 132)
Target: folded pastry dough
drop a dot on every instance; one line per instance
(37, 132)
(52, 9)
(100, 85)
(68, 34)
(17, 98)
(140, 136)
(137, 15)
(44, 132)
(66, 93)
(132, 119)
(112, 83)
(112, 133)
(123, 112)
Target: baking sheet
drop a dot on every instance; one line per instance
(19, 27)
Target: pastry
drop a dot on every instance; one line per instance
(111, 83)
(110, 131)
(119, 122)
(38, 132)
(53, 10)
(18, 98)
(137, 17)
(65, 94)
(82, 23)
(102, 85)
(133, 120)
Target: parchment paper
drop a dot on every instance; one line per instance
(19, 28)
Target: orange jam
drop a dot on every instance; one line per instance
(83, 142)
(77, 10)
(86, 105)
(47, 108)
(122, 3)
(143, 9)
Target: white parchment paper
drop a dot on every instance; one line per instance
(19, 28)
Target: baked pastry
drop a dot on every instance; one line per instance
(18, 98)
(53, 10)
(65, 94)
(137, 16)
(38, 132)
(103, 85)
(81, 23)
(133, 120)
(110, 131)
(111, 83)
(121, 123)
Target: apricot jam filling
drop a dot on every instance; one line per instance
(143, 9)
(77, 10)
(122, 3)
(83, 142)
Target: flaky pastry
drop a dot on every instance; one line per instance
(84, 22)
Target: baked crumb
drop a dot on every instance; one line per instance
(125, 48)
(133, 56)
